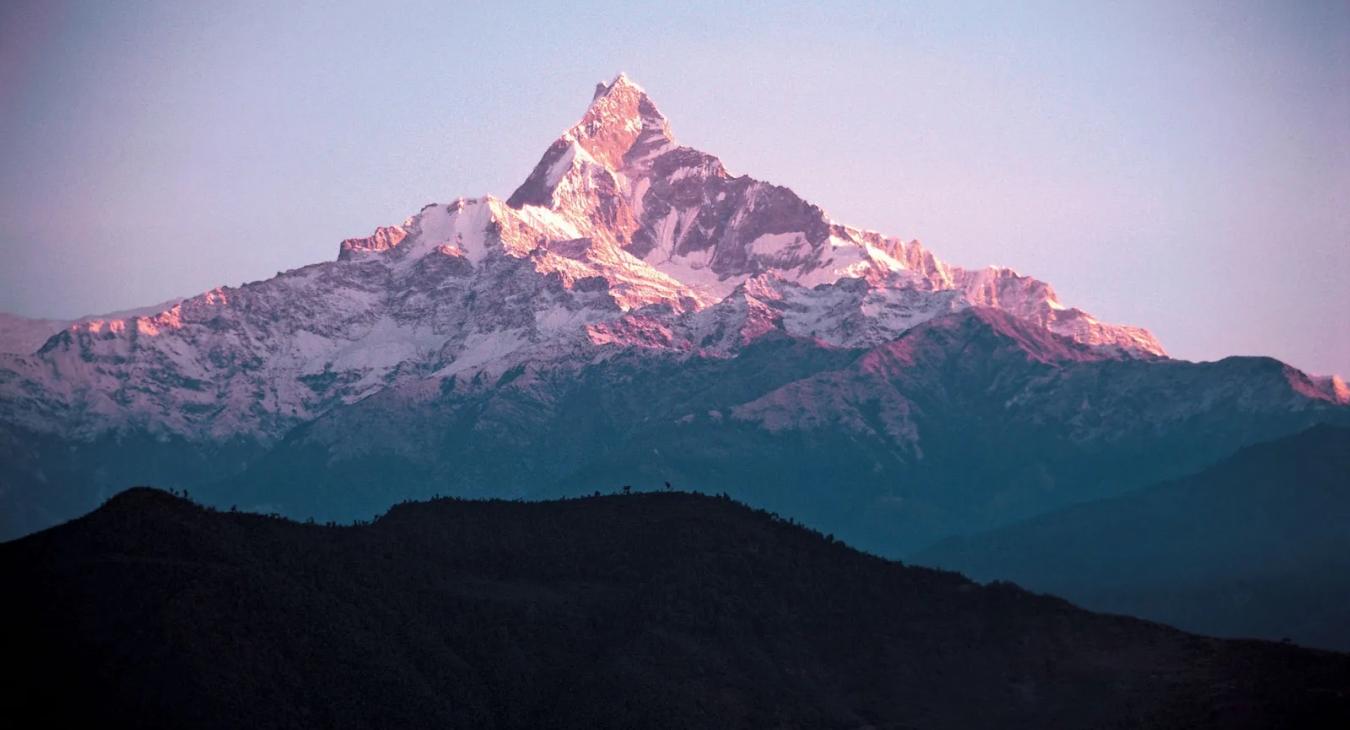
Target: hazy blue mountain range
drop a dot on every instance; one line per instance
(1256, 545)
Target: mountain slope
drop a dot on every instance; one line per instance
(1257, 545)
(651, 610)
(965, 422)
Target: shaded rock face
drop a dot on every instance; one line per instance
(480, 325)
(646, 610)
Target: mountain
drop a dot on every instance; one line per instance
(560, 340)
(1256, 545)
(615, 219)
(643, 610)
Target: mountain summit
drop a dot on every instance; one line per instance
(621, 132)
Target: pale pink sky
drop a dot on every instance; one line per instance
(1180, 166)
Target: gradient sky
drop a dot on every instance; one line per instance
(1180, 166)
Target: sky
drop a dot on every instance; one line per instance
(1180, 166)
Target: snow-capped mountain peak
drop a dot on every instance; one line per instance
(622, 127)
(619, 239)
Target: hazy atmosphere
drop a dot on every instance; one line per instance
(1185, 169)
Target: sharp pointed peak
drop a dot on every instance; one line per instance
(620, 81)
(621, 130)
(625, 94)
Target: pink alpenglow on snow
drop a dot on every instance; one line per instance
(619, 239)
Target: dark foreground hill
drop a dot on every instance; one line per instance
(650, 610)
(1257, 545)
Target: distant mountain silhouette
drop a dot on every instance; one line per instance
(650, 610)
(1257, 545)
